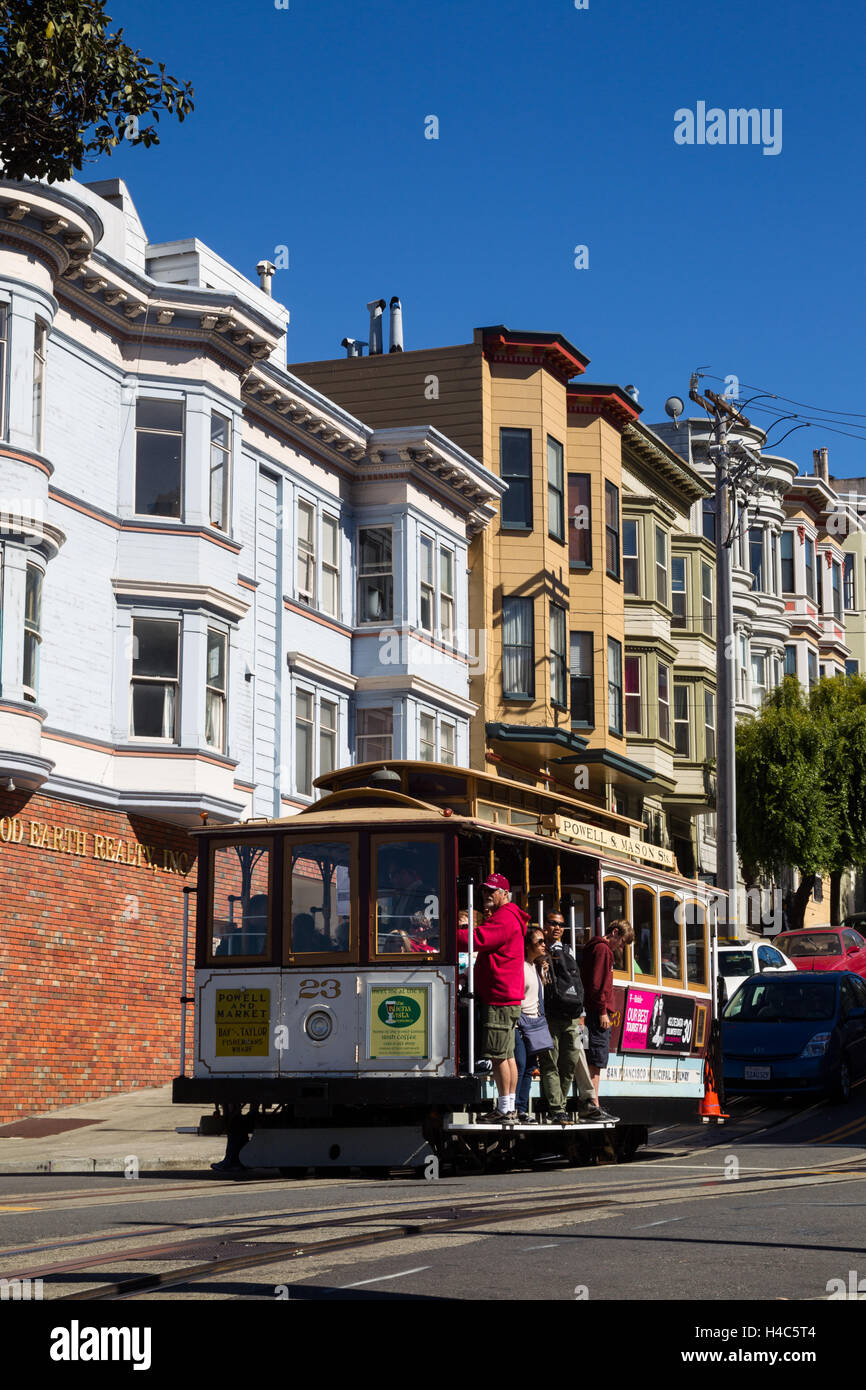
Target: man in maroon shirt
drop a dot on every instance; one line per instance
(596, 971)
(499, 982)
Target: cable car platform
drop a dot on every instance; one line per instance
(543, 1127)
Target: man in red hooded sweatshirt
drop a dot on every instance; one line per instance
(499, 984)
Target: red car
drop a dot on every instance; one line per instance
(824, 948)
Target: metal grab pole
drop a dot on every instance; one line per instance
(184, 999)
(470, 978)
(540, 911)
(571, 927)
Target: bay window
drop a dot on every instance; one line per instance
(515, 467)
(215, 691)
(679, 594)
(582, 695)
(159, 434)
(611, 529)
(220, 457)
(155, 684)
(327, 736)
(427, 594)
(518, 648)
(630, 559)
(375, 574)
(682, 738)
(706, 600)
(664, 700)
(32, 631)
(633, 715)
(304, 742)
(307, 553)
(614, 686)
(661, 567)
(40, 334)
(330, 565)
(446, 595)
(579, 522)
(558, 677)
(555, 490)
(374, 737)
(788, 562)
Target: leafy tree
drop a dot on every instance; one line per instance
(801, 785)
(839, 707)
(69, 89)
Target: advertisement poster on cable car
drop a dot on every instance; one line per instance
(241, 1018)
(657, 1022)
(398, 1021)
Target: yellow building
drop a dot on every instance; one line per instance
(546, 578)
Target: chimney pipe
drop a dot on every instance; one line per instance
(396, 325)
(633, 392)
(821, 464)
(264, 270)
(375, 308)
(354, 346)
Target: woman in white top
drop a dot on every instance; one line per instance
(534, 976)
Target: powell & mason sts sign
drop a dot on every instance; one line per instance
(570, 829)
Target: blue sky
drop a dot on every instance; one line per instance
(556, 129)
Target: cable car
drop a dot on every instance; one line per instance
(333, 1022)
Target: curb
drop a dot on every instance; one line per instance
(72, 1165)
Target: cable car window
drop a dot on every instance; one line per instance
(321, 897)
(406, 883)
(644, 932)
(240, 899)
(616, 907)
(671, 940)
(696, 944)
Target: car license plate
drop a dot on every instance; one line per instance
(759, 1073)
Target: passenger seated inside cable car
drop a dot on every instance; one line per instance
(407, 897)
(246, 935)
(321, 894)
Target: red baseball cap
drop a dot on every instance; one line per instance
(497, 881)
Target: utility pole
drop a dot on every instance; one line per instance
(723, 416)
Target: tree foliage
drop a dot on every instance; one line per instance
(70, 90)
(801, 781)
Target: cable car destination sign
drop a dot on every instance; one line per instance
(570, 829)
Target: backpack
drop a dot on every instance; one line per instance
(564, 994)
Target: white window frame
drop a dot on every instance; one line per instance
(40, 341)
(447, 558)
(309, 721)
(329, 732)
(428, 743)
(664, 704)
(680, 621)
(361, 755)
(32, 632)
(306, 552)
(168, 739)
(687, 722)
(427, 582)
(374, 574)
(330, 569)
(220, 461)
(218, 696)
(150, 429)
(661, 567)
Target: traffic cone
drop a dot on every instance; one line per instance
(709, 1108)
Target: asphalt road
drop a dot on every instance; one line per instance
(771, 1207)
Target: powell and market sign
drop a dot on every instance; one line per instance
(570, 829)
(67, 839)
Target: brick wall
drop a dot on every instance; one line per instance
(90, 952)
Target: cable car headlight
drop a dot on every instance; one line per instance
(318, 1025)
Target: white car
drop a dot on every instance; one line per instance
(737, 962)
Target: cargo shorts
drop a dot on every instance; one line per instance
(500, 1024)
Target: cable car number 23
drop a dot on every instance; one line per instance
(311, 989)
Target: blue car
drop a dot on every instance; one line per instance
(795, 1034)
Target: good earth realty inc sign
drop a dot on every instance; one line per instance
(67, 839)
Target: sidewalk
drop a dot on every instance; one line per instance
(104, 1135)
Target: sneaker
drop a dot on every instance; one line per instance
(225, 1167)
(561, 1118)
(495, 1117)
(590, 1113)
(524, 1118)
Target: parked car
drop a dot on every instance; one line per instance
(738, 960)
(857, 920)
(824, 948)
(795, 1033)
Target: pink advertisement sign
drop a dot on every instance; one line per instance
(638, 1011)
(657, 1022)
